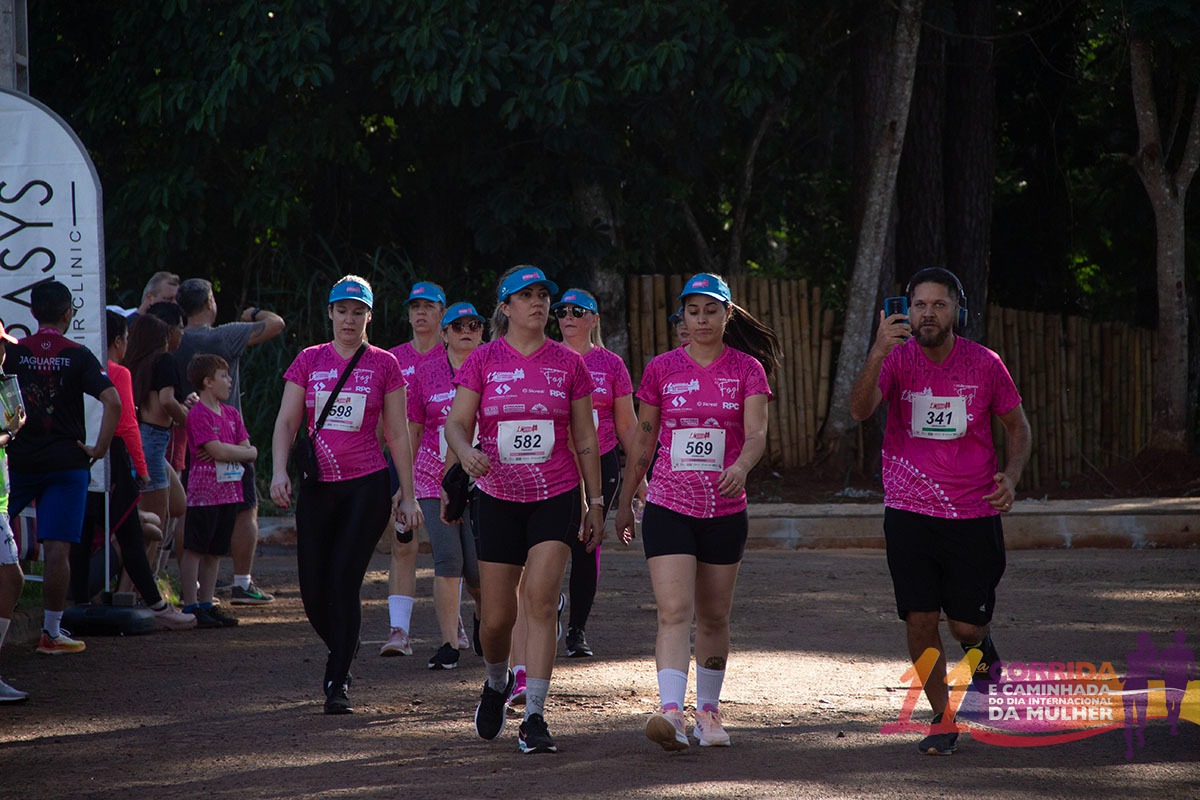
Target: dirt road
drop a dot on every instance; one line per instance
(815, 673)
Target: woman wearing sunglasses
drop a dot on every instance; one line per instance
(529, 395)
(612, 411)
(430, 394)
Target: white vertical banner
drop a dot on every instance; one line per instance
(51, 229)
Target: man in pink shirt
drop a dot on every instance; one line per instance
(943, 491)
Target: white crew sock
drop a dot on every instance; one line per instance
(536, 690)
(672, 686)
(708, 687)
(400, 611)
(52, 623)
(241, 581)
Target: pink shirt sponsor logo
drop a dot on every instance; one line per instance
(501, 376)
(345, 454)
(943, 477)
(691, 396)
(203, 425)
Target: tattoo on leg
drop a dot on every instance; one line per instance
(715, 662)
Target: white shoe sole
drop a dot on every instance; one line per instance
(663, 732)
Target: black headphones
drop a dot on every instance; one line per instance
(945, 277)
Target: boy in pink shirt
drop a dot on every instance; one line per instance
(219, 447)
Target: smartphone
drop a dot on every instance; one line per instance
(895, 305)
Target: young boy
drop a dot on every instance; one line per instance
(219, 446)
(11, 578)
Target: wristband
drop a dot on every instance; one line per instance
(595, 501)
(254, 314)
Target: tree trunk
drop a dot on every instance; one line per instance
(920, 186)
(971, 155)
(880, 190)
(1168, 194)
(594, 211)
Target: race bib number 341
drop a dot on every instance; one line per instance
(939, 417)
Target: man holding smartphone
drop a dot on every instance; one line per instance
(943, 491)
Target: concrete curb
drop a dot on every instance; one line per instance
(1155, 522)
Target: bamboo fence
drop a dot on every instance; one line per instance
(1085, 386)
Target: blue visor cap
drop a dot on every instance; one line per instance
(526, 276)
(460, 311)
(574, 297)
(709, 285)
(352, 290)
(424, 290)
(675, 317)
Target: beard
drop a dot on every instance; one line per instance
(931, 339)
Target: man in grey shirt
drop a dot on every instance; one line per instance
(229, 341)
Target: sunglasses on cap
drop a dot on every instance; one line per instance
(466, 324)
(574, 311)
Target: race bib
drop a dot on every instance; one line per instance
(525, 441)
(347, 411)
(939, 417)
(698, 449)
(229, 471)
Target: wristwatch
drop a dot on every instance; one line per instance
(254, 314)
(595, 501)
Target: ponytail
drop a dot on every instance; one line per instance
(744, 332)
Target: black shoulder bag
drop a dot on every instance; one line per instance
(304, 453)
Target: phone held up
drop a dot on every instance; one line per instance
(895, 305)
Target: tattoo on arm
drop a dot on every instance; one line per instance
(585, 451)
(715, 662)
(646, 426)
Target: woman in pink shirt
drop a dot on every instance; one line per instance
(339, 519)
(612, 410)
(704, 407)
(529, 395)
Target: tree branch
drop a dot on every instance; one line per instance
(733, 261)
(703, 253)
(1149, 158)
(1191, 154)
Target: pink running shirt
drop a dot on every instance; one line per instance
(430, 395)
(704, 401)
(611, 377)
(946, 476)
(409, 359)
(528, 397)
(204, 425)
(346, 446)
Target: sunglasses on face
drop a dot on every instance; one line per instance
(471, 325)
(574, 311)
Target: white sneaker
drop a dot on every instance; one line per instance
(169, 618)
(10, 695)
(709, 730)
(397, 644)
(667, 729)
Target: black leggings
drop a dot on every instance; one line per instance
(337, 527)
(126, 527)
(585, 566)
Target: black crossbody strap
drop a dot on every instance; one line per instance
(337, 389)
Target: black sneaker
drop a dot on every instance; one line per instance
(445, 658)
(489, 714)
(577, 644)
(983, 672)
(938, 744)
(534, 736)
(475, 643)
(226, 620)
(205, 618)
(337, 701)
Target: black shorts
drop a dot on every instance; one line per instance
(507, 530)
(712, 540)
(208, 530)
(951, 565)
